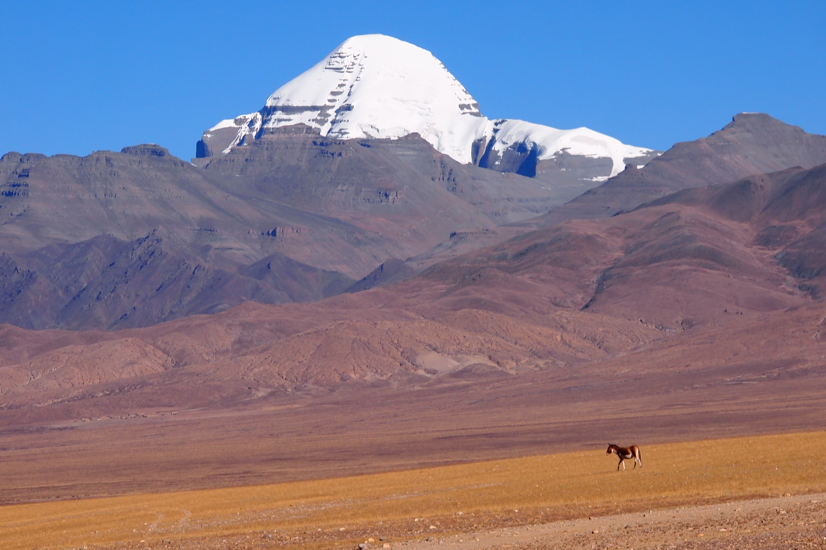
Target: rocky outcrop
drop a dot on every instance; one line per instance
(391, 271)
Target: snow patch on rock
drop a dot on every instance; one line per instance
(550, 142)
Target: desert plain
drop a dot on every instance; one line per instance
(734, 456)
(724, 493)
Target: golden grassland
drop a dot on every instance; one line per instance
(401, 505)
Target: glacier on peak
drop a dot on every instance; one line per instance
(376, 86)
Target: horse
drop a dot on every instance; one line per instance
(625, 452)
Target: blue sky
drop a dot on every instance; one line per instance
(105, 75)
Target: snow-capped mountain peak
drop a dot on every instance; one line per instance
(373, 86)
(376, 86)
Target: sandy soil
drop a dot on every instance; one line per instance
(782, 522)
(789, 522)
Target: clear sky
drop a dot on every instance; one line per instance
(88, 76)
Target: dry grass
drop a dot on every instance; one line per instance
(338, 512)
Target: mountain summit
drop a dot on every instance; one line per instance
(376, 86)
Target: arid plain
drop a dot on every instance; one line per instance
(731, 493)
(325, 455)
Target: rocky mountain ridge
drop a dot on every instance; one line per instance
(335, 207)
(150, 238)
(699, 262)
(752, 143)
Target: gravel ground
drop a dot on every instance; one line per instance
(791, 522)
(788, 523)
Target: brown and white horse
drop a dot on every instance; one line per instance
(625, 452)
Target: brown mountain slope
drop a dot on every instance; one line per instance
(65, 200)
(79, 232)
(786, 209)
(556, 297)
(365, 178)
(752, 143)
(246, 353)
(107, 283)
(689, 258)
(334, 206)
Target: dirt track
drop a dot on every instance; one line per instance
(782, 522)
